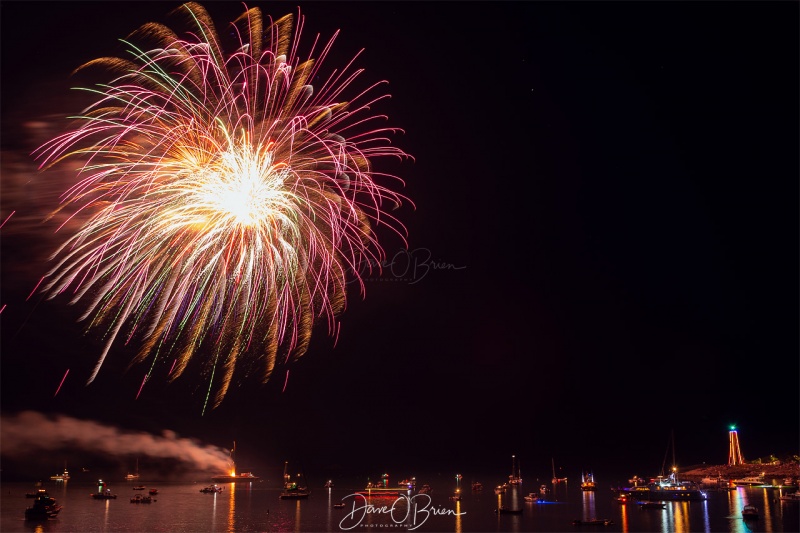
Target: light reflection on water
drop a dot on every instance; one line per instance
(180, 508)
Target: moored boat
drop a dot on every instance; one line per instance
(44, 507)
(233, 476)
(665, 489)
(211, 489)
(142, 499)
(407, 483)
(103, 492)
(587, 482)
(382, 489)
(652, 505)
(291, 489)
(135, 475)
(531, 497)
(516, 476)
(750, 512)
(64, 476)
(661, 488)
(750, 480)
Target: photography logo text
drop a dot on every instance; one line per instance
(406, 266)
(404, 513)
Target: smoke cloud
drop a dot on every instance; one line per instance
(30, 432)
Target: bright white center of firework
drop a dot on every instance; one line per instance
(244, 186)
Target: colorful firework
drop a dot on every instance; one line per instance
(224, 202)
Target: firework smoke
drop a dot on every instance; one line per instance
(225, 198)
(29, 433)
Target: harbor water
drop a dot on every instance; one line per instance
(182, 507)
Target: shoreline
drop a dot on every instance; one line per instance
(770, 471)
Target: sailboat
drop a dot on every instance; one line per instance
(133, 477)
(516, 477)
(667, 488)
(232, 476)
(291, 490)
(556, 479)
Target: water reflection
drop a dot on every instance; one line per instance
(214, 512)
(330, 506)
(677, 518)
(624, 520)
(588, 505)
(458, 517)
(231, 508)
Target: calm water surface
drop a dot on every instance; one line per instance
(181, 507)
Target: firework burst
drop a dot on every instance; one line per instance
(224, 202)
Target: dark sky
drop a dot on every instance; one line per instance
(605, 237)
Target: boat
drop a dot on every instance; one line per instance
(35, 493)
(211, 489)
(652, 505)
(382, 489)
(232, 476)
(329, 484)
(516, 477)
(43, 508)
(338, 505)
(791, 497)
(134, 476)
(103, 492)
(477, 485)
(507, 510)
(544, 489)
(556, 480)
(139, 487)
(750, 480)
(291, 489)
(714, 480)
(587, 482)
(456, 497)
(593, 522)
(500, 489)
(749, 512)
(64, 476)
(717, 483)
(623, 498)
(153, 492)
(665, 488)
(142, 499)
(409, 484)
(531, 497)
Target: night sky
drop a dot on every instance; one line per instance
(602, 250)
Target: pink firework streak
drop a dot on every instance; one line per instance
(61, 384)
(227, 195)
